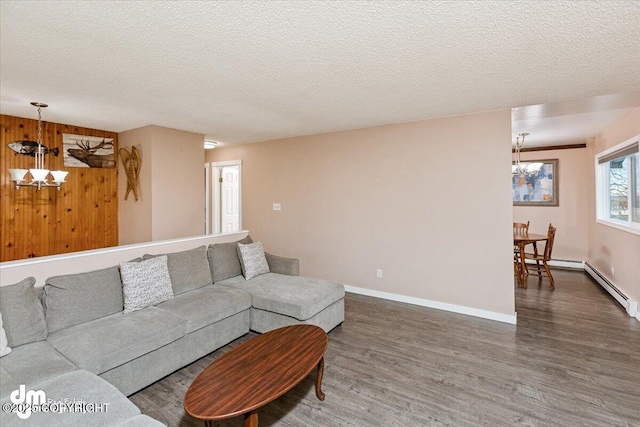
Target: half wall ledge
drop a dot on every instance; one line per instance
(44, 267)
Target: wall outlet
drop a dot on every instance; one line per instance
(613, 272)
(277, 207)
(379, 274)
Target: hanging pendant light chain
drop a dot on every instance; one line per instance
(40, 163)
(39, 126)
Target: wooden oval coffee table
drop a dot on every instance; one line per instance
(257, 372)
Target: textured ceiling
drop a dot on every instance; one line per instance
(251, 71)
(573, 121)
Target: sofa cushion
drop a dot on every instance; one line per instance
(205, 306)
(22, 313)
(295, 296)
(73, 299)
(252, 260)
(103, 344)
(223, 259)
(188, 270)
(145, 283)
(80, 386)
(30, 364)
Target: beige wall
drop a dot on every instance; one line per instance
(172, 186)
(178, 184)
(427, 202)
(610, 247)
(135, 217)
(570, 217)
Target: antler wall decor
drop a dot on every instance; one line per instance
(87, 154)
(132, 163)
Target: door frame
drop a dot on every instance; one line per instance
(215, 201)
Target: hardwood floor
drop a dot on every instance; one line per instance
(572, 360)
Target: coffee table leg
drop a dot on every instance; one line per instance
(251, 419)
(319, 392)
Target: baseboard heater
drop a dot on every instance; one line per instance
(629, 304)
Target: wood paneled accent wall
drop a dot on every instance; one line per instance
(82, 215)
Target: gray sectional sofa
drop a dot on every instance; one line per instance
(71, 339)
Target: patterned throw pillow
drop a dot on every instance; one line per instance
(252, 260)
(145, 283)
(4, 345)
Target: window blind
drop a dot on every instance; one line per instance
(626, 151)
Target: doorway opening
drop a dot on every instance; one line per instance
(223, 197)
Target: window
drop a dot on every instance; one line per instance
(618, 186)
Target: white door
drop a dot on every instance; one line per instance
(207, 198)
(229, 195)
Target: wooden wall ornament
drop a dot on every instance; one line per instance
(29, 148)
(132, 162)
(84, 151)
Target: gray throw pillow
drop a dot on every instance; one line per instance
(224, 261)
(188, 270)
(73, 299)
(145, 283)
(22, 313)
(252, 260)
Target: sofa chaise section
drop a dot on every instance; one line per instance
(281, 297)
(279, 300)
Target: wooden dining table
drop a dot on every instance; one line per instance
(521, 240)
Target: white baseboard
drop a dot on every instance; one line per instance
(578, 265)
(491, 315)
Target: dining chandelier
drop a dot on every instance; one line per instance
(38, 174)
(517, 168)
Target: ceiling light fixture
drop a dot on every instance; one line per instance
(517, 168)
(38, 173)
(208, 145)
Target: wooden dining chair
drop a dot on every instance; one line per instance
(545, 257)
(518, 228)
(517, 267)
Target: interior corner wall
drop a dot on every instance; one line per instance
(134, 216)
(171, 203)
(609, 247)
(427, 202)
(178, 184)
(569, 217)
